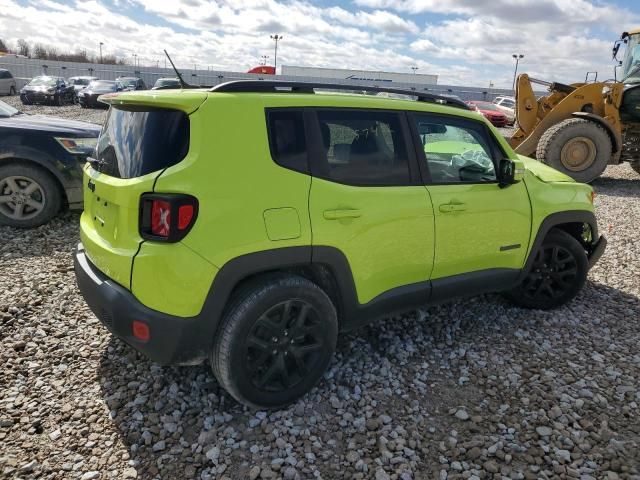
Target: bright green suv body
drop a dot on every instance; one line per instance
(382, 204)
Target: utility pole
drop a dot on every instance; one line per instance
(101, 43)
(517, 56)
(275, 38)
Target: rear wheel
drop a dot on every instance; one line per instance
(29, 196)
(578, 147)
(275, 341)
(558, 273)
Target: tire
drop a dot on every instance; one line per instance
(265, 360)
(58, 100)
(12, 91)
(636, 166)
(584, 145)
(557, 274)
(30, 208)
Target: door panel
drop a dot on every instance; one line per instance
(386, 233)
(366, 199)
(479, 226)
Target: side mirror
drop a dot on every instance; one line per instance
(506, 172)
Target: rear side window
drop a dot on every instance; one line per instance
(287, 139)
(363, 147)
(136, 142)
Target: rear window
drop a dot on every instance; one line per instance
(134, 142)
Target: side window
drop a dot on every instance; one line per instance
(457, 150)
(363, 147)
(287, 139)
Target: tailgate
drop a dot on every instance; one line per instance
(109, 223)
(143, 135)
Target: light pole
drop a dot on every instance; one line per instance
(264, 59)
(101, 43)
(276, 38)
(135, 60)
(515, 73)
(414, 69)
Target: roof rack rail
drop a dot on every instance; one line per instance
(286, 86)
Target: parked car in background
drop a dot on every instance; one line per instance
(46, 89)
(166, 84)
(507, 105)
(80, 82)
(490, 112)
(89, 96)
(131, 83)
(41, 162)
(7, 83)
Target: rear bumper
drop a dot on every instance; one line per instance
(173, 340)
(597, 249)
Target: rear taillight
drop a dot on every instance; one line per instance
(167, 217)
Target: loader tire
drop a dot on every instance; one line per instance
(577, 147)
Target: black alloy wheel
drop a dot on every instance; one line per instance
(284, 345)
(276, 340)
(558, 272)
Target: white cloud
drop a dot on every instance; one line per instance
(561, 39)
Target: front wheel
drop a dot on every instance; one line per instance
(558, 273)
(275, 341)
(29, 197)
(12, 91)
(577, 147)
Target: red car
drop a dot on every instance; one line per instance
(490, 111)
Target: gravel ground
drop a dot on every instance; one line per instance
(73, 112)
(472, 389)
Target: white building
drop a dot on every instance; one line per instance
(384, 78)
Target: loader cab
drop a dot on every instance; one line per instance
(631, 61)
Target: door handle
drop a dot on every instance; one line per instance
(452, 207)
(338, 214)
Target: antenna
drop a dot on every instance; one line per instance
(183, 84)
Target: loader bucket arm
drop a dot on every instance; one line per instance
(535, 117)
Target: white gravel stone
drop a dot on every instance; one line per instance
(541, 390)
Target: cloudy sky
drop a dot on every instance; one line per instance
(463, 41)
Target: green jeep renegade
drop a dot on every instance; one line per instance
(250, 223)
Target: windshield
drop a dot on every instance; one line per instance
(103, 85)
(43, 81)
(129, 82)
(485, 106)
(163, 82)
(79, 81)
(7, 110)
(631, 62)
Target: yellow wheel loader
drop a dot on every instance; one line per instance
(581, 128)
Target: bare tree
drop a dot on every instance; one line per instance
(3, 46)
(23, 47)
(40, 51)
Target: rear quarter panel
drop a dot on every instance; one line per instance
(235, 180)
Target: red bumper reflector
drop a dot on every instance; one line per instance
(185, 215)
(141, 331)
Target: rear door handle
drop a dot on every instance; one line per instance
(338, 214)
(453, 207)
